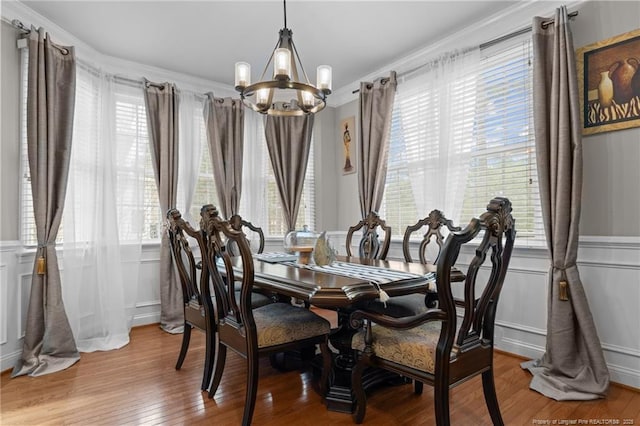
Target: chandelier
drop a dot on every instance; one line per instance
(285, 94)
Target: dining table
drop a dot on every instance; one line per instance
(342, 286)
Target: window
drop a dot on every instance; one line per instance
(475, 134)
(194, 157)
(138, 205)
(104, 106)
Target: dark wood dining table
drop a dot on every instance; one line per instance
(343, 294)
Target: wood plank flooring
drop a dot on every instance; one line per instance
(139, 385)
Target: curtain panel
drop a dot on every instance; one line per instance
(101, 260)
(376, 104)
(288, 142)
(573, 366)
(190, 154)
(162, 103)
(449, 86)
(48, 344)
(224, 120)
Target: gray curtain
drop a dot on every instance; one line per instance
(162, 102)
(376, 104)
(573, 366)
(289, 141)
(224, 120)
(48, 344)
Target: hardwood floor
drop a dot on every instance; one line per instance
(139, 385)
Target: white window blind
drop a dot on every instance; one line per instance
(485, 148)
(504, 160)
(139, 212)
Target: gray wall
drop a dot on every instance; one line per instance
(611, 191)
(10, 135)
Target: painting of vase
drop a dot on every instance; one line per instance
(609, 83)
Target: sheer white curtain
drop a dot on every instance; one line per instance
(436, 106)
(190, 153)
(104, 198)
(253, 206)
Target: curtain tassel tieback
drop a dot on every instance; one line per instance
(563, 294)
(563, 291)
(41, 265)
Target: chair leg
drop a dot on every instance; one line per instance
(489, 387)
(441, 402)
(186, 337)
(327, 360)
(358, 392)
(417, 387)
(252, 389)
(219, 358)
(210, 352)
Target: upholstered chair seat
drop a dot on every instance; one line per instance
(280, 323)
(415, 347)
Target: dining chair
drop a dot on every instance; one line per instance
(434, 348)
(190, 277)
(371, 246)
(252, 332)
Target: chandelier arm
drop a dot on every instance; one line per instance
(266, 67)
(295, 51)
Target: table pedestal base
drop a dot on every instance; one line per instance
(340, 397)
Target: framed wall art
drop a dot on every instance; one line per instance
(609, 83)
(348, 133)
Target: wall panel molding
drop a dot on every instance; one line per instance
(21, 290)
(4, 320)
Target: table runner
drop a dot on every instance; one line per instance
(373, 274)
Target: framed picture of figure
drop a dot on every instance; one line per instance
(609, 83)
(348, 139)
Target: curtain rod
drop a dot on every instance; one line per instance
(521, 31)
(543, 24)
(20, 26)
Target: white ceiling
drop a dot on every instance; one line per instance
(205, 38)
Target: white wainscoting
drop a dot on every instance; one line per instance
(609, 268)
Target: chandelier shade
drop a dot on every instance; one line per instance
(286, 93)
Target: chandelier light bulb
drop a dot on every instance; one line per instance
(262, 97)
(307, 99)
(323, 74)
(243, 74)
(282, 63)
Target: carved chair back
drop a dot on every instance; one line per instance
(434, 223)
(254, 235)
(371, 245)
